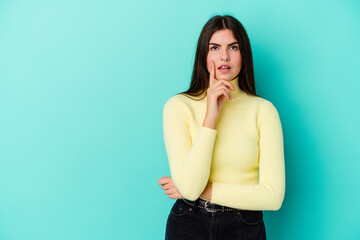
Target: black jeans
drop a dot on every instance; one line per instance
(188, 222)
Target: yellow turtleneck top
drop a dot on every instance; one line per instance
(243, 156)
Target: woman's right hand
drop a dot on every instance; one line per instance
(216, 93)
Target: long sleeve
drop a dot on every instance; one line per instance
(189, 162)
(269, 193)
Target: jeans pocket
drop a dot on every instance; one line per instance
(179, 208)
(250, 217)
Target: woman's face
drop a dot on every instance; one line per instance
(224, 50)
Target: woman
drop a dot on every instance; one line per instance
(224, 143)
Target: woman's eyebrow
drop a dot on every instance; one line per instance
(219, 44)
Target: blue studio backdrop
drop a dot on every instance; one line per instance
(83, 84)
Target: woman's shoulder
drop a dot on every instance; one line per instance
(265, 108)
(181, 100)
(176, 102)
(262, 102)
(180, 105)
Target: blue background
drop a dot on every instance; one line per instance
(83, 83)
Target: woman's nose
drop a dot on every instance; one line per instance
(224, 56)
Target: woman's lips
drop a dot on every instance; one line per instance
(224, 70)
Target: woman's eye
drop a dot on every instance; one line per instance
(232, 47)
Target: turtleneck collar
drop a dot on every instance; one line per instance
(237, 93)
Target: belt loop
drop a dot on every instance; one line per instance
(222, 208)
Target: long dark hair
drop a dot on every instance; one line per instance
(200, 75)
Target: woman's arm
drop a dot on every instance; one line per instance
(269, 193)
(171, 190)
(189, 162)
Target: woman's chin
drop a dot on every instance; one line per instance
(226, 77)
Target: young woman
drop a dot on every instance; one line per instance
(224, 143)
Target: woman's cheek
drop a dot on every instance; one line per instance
(210, 61)
(208, 65)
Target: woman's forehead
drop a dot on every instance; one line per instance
(224, 36)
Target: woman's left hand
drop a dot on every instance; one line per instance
(168, 185)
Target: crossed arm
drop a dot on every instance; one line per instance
(168, 185)
(190, 164)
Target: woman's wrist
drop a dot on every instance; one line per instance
(209, 122)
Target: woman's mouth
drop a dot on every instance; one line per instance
(224, 68)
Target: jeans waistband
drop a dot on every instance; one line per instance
(208, 206)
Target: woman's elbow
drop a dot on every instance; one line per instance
(191, 190)
(277, 205)
(277, 202)
(190, 195)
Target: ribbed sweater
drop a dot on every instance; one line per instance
(243, 156)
